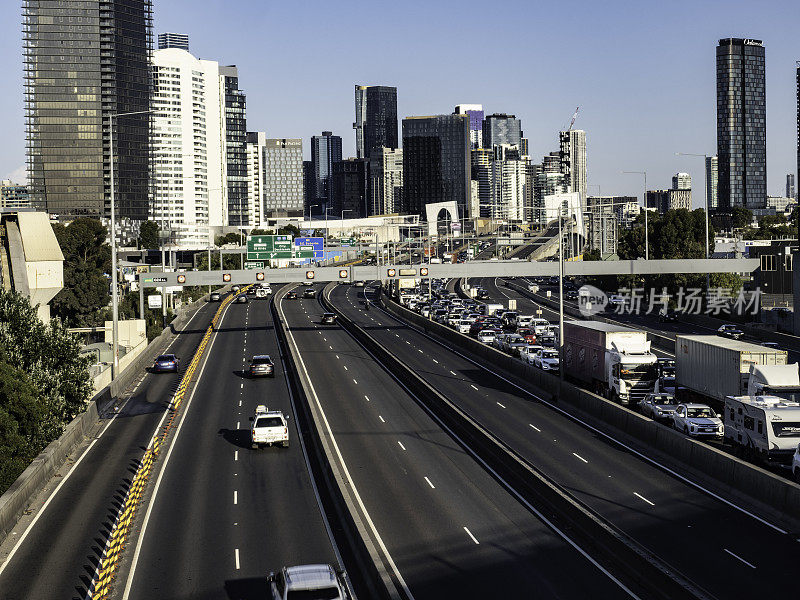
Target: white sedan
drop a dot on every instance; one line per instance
(487, 336)
(546, 359)
(698, 420)
(528, 354)
(463, 326)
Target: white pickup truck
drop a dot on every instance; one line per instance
(269, 427)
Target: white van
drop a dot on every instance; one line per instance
(539, 325)
(524, 320)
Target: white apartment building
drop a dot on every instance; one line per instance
(283, 178)
(573, 160)
(386, 181)
(188, 196)
(256, 141)
(681, 181)
(508, 174)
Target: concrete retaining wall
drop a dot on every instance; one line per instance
(773, 492)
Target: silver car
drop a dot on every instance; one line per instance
(698, 420)
(658, 406)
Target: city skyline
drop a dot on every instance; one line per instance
(660, 92)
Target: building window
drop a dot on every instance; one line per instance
(768, 262)
(787, 262)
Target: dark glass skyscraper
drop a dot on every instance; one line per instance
(326, 149)
(348, 189)
(741, 124)
(436, 162)
(501, 129)
(376, 118)
(235, 147)
(84, 61)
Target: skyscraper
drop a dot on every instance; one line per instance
(376, 118)
(712, 181)
(475, 112)
(741, 124)
(573, 160)
(86, 61)
(283, 178)
(798, 120)
(326, 149)
(790, 190)
(681, 181)
(386, 181)
(256, 140)
(348, 189)
(173, 40)
(235, 147)
(501, 129)
(436, 162)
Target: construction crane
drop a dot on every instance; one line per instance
(574, 116)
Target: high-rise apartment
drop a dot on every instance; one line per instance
(508, 184)
(712, 182)
(436, 162)
(741, 124)
(235, 146)
(681, 181)
(502, 129)
(475, 113)
(256, 141)
(790, 189)
(84, 62)
(573, 160)
(798, 121)
(386, 181)
(349, 198)
(376, 118)
(326, 149)
(187, 195)
(173, 40)
(283, 178)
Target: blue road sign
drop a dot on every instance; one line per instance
(317, 243)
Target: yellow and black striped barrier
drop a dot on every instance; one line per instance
(119, 534)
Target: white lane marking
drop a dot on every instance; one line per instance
(454, 373)
(354, 381)
(240, 402)
(535, 427)
(366, 397)
(469, 533)
(420, 351)
(237, 424)
(407, 342)
(396, 335)
(235, 455)
(436, 361)
(579, 457)
(242, 387)
(401, 445)
(331, 347)
(381, 418)
(638, 495)
(473, 387)
(236, 556)
(235, 497)
(501, 405)
(345, 367)
(337, 356)
(433, 487)
(752, 566)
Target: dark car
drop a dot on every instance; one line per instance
(730, 331)
(261, 366)
(241, 298)
(166, 363)
(309, 293)
(667, 316)
(292, 295)
(328, 319)
(214, 297)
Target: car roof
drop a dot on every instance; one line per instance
(328, 314)
(310, 576)
(260, 356)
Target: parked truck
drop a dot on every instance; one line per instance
(614, 360)
(710, 368)
(765, 427)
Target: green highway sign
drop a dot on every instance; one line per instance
(275, 247)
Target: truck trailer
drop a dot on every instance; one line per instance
(614, 360)
(709, 368)
(765, 427)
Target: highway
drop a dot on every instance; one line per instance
(58, 554)
(449, 529)
(225, 515)
(698, 534)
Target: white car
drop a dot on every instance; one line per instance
(546, 359)
(463, 326)
(539, 325)
(529, 353)
(796, 464)
(698, 420)
(487, 336)
(269, 428)
(308, 581)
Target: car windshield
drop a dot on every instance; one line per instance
(262, 360)
(640, 371)
(551, 354)
(700, 413)
(165, 357)
(326, 593)
(663, 400)
(269, 422)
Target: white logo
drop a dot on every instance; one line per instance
(591, 300)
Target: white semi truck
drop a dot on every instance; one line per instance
(614, 360)
(774, 380)
(765, 427)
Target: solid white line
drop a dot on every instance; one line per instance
(235, 497)
(474, 388)
(579, 457)
(163, 470)
(638, 495)
(433, 487)
(469, 533)
(235, 455)
(535, 427)
(236, 556)
(752, 566)
(401, 445)
(501, 405)
(381, 418)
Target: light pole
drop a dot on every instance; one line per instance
(644, 202)
(114, 292)
(705, 194)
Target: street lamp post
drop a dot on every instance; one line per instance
(644, 202)
(114, 291)
(705, 194)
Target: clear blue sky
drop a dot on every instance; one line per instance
(642, 72)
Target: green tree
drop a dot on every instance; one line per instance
(741, 217)
(148, 235)
(87, 260)
(289, 230)
(262, 232)
(228, 238)
(21, 437)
